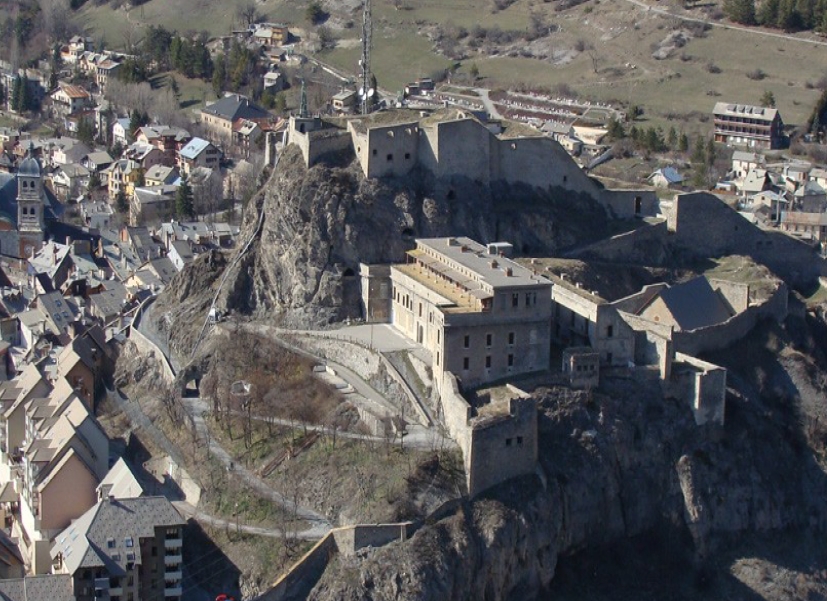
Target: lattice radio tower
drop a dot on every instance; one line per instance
(366, 92)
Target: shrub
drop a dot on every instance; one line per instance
(713, 68)
(756, 75)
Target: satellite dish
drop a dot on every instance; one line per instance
(371, 92)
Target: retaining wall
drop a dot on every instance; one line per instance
(299, 580)
(146, 346)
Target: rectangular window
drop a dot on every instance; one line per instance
(489, 339)
(407, 155)
(420, 309)
(438, 336)
(466, 343)
(519, 440)
(375, 151)
(437, 358)
(511, 338)
(510, 360)
(465, 363)
(515, 300)
(508, 442)
(390, 158)
(610, 331)
(608, 358)
(488, 361)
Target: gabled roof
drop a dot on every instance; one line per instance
(234, 107)
(99, 158)
(54, 587)
(670, 174)
(74, 91)
(106, 530)
(194, 148)
(810, 189)
(750, 157)
(694, 304)
(120, 483)
(745, 110)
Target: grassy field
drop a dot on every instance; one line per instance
(615, 62)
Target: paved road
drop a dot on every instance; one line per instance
(320, 526)
(750, 30)
(191, 512)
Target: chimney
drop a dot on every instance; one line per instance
(494, 264)
(509, 272)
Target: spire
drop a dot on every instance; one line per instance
(365, 90)
(303, 112)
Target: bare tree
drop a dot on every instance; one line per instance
(248, 13)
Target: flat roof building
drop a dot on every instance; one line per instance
(750, 126)
(481, 315)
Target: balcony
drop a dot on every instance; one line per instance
(173, 592)
(172, 543)
(173, 575)
(172, 560)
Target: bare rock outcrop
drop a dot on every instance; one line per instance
(320, 223)
(621, 463)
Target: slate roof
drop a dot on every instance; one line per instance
(694, 304)
(54, 587)
(86, 543)
(234, 107)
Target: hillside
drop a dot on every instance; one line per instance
(320, 223)
(639, 503)
(601, 50)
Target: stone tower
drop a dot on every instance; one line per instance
(30, 205)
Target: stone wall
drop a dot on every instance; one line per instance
(299, 580)
(644, 245)
(351, 539)
(703, 386)
(719, 336)
(737, 295)
(147, 347)
(704, 225)
(496, 446)
(503, 446)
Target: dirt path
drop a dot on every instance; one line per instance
(750, 30)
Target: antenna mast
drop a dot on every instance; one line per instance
(366, 92)
(303, 112)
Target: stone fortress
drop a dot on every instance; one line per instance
(456, 145)
(484, 318)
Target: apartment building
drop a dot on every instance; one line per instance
(481, 315)
(64, 456)
(124, 550)
(750, 126)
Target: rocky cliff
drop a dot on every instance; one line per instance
(625, 462)
(320, 223)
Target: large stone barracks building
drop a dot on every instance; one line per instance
(482, 316)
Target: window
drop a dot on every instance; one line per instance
(407, 156)
(510, 360)
(466, 343)
(610, 331)
(375, 152)
(110, 543)
(466, 362)
(519, 440)
(437, 358)
(489, 339)
(608, 358)
(511, 338)
(390, 157)
(487, 361)
(438, 336)
(508, 442)
(128, 541)
(420, 309)
(515, 300)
